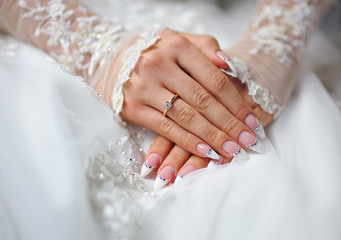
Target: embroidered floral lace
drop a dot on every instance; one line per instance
(268, 56)
(83, 43)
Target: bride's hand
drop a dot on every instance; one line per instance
(172, 162)
(208, 114)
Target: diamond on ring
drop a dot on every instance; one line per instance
(169, 104)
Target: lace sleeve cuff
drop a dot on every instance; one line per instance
(268, 57)
(129, 60)
(260, 95)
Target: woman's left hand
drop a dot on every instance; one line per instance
(172, 162)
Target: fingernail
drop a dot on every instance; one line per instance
(215, 163)
(207, 151)
(152, 161)
(212, 164)
(235, 150)
(165, 176)
(227, 60)
(251, 142)
(255, 125)
(183, 172)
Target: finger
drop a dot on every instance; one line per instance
(188, 118)
(212, 110)
(192, 164)
(244, 92)
(170, 166)
(265, 118)
(165, 126)
(217, 83)
(208, 45)
(156, 154)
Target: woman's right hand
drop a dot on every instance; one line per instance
(208, 114)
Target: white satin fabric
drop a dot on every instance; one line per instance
(290, 192)
(46, 138)
(51, 124)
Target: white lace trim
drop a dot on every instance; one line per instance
(282, 28)
(86, 45)
(129, 60)
(260, 95)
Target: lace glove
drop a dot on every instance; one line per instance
(268, 56)
(81, 41)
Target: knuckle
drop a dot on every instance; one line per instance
(152, 60)
(219, 81)
(160, 144)
(178, 42)
(177, 157)
(210, 40)
(166, 127)
(186, 115)
(230, 124)
(202, 99)
(211, 135)
(139, 85)
(240, 106)
(187, 140)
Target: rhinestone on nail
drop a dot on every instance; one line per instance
(147, 166)
(253, 144)
(237, 152)
(163, 179)
(209, 152)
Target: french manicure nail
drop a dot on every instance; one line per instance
(251, 142)
(165, 176)
(227, 60)
(235, 150)
(215, 163)
(183, 172)
(152, 161)
(207, 151)
(252, 122)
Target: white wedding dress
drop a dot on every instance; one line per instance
(60, 176)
